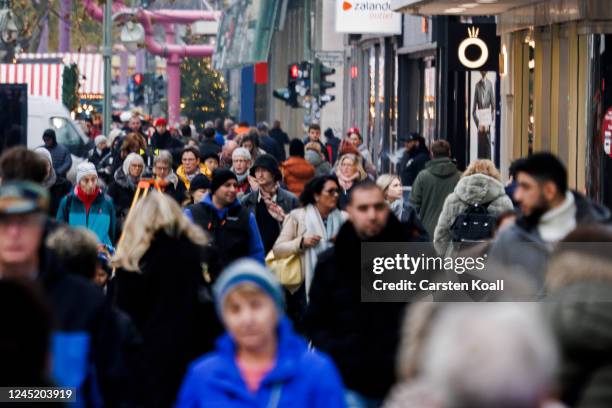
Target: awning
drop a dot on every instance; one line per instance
(458, 7)
(42, 79)
(91, 68)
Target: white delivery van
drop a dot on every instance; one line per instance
(46, 113)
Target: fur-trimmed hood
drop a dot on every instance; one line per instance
(479, 189)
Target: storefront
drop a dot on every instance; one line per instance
(558, 68)
(371, 83)
(554, 68)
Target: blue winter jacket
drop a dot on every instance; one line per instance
(100, 220)
(300, 378)
(256, 249)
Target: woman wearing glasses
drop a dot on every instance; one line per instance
(308, 231)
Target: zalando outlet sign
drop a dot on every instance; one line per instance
(367, 17)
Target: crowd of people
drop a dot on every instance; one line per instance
(234, 278)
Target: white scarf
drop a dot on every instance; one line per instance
(556, 223)
(315, 226)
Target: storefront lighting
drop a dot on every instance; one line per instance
(486, 1)
(503, 61)
(454, 10)
(469, 5)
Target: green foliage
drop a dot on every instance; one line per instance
(70, 87)
(204, 91)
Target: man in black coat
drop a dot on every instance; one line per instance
(361, 338)
(414, 158)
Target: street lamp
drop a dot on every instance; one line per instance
(133, 36)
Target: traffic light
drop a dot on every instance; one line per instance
(321, 74)
(289, 94)
(139, 89)
(159, 88)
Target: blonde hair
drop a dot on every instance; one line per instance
(357, 161)
(156, 212)
(313, 146)
(482, 166)
(384, 181)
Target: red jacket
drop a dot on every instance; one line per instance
(297, 172)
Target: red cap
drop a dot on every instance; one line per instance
(353, 130)
(160, 122)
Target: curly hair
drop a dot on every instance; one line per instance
(482, 166)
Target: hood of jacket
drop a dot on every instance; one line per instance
(298, 167)
(479, 189)
(441, 167)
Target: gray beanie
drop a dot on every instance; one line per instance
(248, 270)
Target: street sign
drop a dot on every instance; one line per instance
(335, 58)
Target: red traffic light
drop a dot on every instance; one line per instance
(138, 79)
(294, 71)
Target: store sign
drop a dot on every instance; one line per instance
(367, 17)
(473, 47)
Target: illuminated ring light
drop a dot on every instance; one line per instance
(484, 56)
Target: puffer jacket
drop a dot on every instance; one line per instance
(296, 173)
(475, 189)
(322, 167)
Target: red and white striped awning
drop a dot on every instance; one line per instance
(91, 67)
(42, 79)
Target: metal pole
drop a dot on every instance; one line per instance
(106, 51)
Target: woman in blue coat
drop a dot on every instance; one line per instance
(260, 362)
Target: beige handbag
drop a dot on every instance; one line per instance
(288, 270)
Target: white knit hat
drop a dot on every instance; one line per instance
(100, 139)
(241, 152)
(85, 169)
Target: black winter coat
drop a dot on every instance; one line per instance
(122, 194)
(361, 338)
(79, 306)
(412, 163)
(164, 302)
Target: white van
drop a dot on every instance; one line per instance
(46, 113)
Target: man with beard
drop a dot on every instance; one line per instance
(361, 338)
(414, 158)
(550, 211)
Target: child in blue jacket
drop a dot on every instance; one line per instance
(260, 361)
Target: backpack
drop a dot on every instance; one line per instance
(475, 224)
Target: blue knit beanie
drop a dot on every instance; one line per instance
(247, 270)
